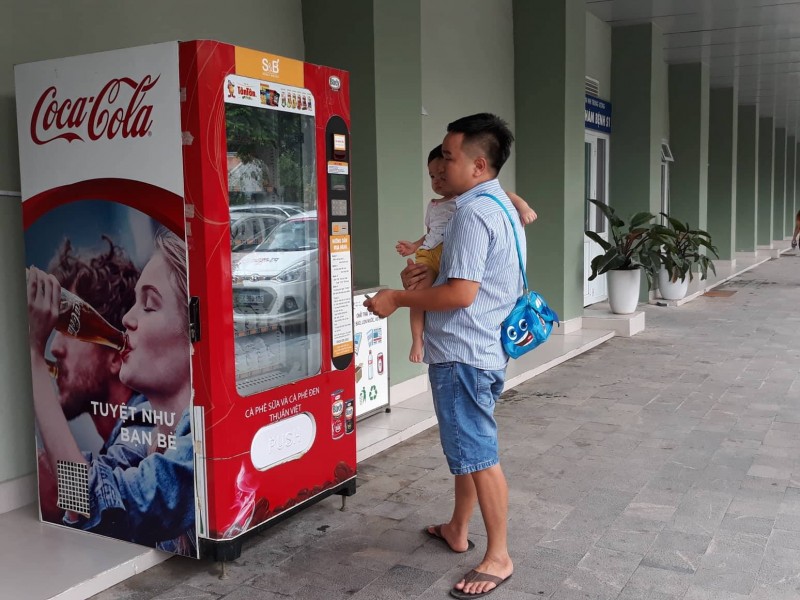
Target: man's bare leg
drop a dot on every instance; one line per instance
(492, 492)
(455, 532)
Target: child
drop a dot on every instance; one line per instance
(428, 248)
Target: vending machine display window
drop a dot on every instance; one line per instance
(272, 181)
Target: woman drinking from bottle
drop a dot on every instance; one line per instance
(144, 499)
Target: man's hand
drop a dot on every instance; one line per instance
(406, 248)
(527, 216)
(413, 274)
(44, 298)
(382, 304)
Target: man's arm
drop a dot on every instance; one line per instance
(451, 295)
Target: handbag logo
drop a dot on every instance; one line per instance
(519, 330)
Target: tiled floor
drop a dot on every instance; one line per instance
(78, 566)
(82, 565)
(659, 467)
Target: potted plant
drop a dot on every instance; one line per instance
(681, 248)
(628, 252)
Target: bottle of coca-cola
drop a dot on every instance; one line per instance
(78, 319)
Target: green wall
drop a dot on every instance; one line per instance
(357, 55)
(40, 29)
(381, 47)
(467, 67)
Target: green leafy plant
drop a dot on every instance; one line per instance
(681, 247)
(630, 247)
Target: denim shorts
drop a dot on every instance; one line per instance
(464, 399)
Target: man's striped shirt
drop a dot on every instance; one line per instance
(478, 246)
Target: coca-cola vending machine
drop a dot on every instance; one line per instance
(187, 232)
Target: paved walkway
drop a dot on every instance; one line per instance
(659, 467)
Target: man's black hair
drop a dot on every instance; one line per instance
(435, 153)
(488, 131)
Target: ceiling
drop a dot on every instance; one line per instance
(754, 42)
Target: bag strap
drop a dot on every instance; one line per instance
(516, 239)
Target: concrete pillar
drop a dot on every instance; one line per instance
(379, 43)
(688, 118)
(766, 182)
(796, 206)
(638, 77)
(722, 160)
(791, 185)
(747, 179)
(779, 189)
(549, 45)
(636, 87)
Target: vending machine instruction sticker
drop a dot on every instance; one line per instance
(341, 294)
(371, 357)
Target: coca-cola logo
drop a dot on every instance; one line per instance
(104, 115)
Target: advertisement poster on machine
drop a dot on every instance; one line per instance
(371, 355)
(102, 186)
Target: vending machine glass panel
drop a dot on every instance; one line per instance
(274, 234)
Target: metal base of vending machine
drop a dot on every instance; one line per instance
(226, 550)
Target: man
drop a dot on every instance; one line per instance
(476, 289)
(87, 375)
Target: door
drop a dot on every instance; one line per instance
(595, 188)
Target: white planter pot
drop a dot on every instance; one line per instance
(670, 290)
(623, 291)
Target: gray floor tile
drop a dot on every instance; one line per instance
(660, 467)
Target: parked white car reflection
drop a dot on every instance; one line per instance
(278, 283)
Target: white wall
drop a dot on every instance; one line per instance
(39, 29)
(467, 67)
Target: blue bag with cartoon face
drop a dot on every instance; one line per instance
(531, 320)
(529, 325)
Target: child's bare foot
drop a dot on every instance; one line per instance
(416, 351)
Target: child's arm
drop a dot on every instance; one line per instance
(405, 248)
(526, 214)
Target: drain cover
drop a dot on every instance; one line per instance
(720, 293)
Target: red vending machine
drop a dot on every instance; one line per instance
(187, 229)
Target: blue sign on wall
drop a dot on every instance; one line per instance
(597, 114)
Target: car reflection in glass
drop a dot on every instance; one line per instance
(277, 283)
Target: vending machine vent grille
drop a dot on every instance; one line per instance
(73, 486)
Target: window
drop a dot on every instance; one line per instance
(274, 236)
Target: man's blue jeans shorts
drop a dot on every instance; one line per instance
(464, 399)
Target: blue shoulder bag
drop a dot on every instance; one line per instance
(531, 320)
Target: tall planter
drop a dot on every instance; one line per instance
(623, 290)
(672, 290)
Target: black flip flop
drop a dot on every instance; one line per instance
(473, 576)
(437, 535)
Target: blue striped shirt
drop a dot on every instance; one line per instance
(478, 246)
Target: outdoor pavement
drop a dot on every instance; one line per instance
(658, 467)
